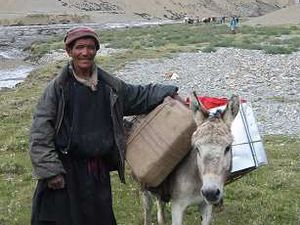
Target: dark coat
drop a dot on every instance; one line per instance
(125, 99)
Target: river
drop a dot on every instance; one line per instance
(14, 39)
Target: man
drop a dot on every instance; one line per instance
(77, 136)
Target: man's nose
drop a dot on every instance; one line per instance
(85, 51)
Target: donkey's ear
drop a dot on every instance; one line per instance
(231, 110)
(199, 112)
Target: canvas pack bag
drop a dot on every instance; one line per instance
(159, 141)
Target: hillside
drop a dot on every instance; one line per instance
(118, 10)
(287, 15)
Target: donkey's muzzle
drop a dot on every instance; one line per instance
(212, 195)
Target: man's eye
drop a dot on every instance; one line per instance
(91, 47)
(79, 47)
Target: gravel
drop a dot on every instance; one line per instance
(271, 83)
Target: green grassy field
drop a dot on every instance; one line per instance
(267, 196)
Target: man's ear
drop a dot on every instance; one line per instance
(69, 51)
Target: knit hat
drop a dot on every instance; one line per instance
(80, 32)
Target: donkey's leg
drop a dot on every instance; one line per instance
(147, 206)
(206, 212)
(178, 208)
(161, 216)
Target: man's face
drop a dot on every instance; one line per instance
(83, 53)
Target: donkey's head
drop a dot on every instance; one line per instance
(212, 141)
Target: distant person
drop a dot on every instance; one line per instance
(223, 18)
(233, 24)
(77, 136)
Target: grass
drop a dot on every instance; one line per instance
(268, 196)
(182, 38)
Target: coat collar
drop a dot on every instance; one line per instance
(111, 80)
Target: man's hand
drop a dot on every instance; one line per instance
(57, 182)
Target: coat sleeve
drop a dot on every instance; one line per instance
(139, 99)
(42, 151)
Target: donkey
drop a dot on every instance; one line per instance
(199, 178)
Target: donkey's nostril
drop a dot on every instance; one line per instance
(211, 195)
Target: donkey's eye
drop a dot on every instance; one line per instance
(227, 149)
(198, 150)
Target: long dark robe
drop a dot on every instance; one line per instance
(86, 198)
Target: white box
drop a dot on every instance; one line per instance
(247, 149)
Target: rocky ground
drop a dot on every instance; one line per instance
(270, 82)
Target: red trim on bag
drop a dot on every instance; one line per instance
(211, 102)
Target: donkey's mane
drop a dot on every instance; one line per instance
(213, 131)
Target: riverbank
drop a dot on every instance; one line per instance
(13, 71)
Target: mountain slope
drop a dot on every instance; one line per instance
(147, 9)
(288, 15)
